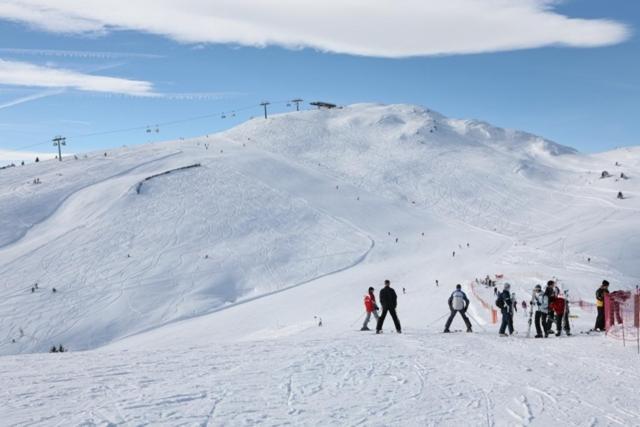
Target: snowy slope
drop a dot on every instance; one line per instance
(208, 281)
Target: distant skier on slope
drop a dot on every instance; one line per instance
(389, 302)
(505, 304)
(600, 295)
(620, 195)
(370, 307)
(458, 303)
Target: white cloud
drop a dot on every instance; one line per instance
(384, 28)
(30, 75)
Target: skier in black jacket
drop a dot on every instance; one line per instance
(505, 303)
(550, 293)
(388, 301)
(600, 295)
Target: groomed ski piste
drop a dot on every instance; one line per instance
(191, 276)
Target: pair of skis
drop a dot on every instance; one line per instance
(530, 315)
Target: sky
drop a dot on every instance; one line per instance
(103, 73)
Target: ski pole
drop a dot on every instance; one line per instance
(477, 323)
(437, 320)
(358, 319)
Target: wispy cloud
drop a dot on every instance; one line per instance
(29, 98)
(30, 75)
(78, 54)
(383, 28)
(200, 96)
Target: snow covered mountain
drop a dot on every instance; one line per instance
(229, 248)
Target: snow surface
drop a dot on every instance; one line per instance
(194, 274)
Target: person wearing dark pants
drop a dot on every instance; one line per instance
(505, 303)
(560, 308)
(389, 302)
(600, 294)
(541, 304)
(550, 293)
(541, 320)
(458, 303)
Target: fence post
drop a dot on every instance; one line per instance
(636, 317)
(636, 309)
(607, 312)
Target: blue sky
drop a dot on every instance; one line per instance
(568, 81)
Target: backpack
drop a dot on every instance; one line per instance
(500, 301)
(457, 302)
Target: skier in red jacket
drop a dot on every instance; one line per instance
(370, 307)
(560, 308)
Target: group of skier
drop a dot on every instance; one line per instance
(548, 307)
(389, 302)
(551, 307)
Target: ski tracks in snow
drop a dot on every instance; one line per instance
(316, 378)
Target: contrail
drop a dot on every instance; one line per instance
(29, 98)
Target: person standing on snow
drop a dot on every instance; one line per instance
(561, 311)
(550, 294)
(541, 303)
(370, 307)
(458, 303)
(389, 301)
(505, 304)
(600, 295)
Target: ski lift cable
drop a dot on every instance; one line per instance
(145, 127)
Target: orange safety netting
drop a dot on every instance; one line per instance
(622, 315)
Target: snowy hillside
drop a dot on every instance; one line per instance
(196, 272)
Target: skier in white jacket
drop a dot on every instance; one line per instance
(458, 303)
(540, 302)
